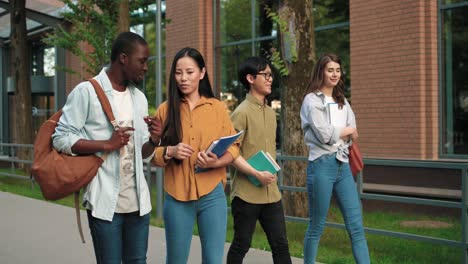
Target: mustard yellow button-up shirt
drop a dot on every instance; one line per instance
(207, 121)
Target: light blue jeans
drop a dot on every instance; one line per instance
(326, 176)
(210, 211)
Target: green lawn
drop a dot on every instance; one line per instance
(334, 246)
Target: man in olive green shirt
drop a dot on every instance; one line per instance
(249, 202)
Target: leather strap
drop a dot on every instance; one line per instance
(104, 102)
(78, 215)
(110, 115)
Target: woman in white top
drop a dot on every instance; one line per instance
(328, 171)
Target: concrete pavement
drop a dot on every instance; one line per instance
(35, 231)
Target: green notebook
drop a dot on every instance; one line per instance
(262, 161)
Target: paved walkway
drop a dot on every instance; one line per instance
(34, 231)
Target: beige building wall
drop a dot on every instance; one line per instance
(394, 77)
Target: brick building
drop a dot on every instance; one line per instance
(405, 61)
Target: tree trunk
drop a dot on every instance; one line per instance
(21, 74)
(124, 16)
(298, 51)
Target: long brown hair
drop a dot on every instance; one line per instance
(316, 81)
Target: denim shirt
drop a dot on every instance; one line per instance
(84, 118)
(319, 135)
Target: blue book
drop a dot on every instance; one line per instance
(262, 161)
(219, 147)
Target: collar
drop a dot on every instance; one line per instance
(319, 93)
(106, 83)
(203, 100)
(252, 99)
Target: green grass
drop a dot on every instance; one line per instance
(335, 247)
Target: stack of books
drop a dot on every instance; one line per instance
(219, 147)
(262, 161)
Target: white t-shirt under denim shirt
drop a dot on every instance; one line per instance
(83, 118)
(128, 199)
(319, 135)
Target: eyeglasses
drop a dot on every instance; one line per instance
(266, 75)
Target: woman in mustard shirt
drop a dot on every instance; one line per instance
(192, 118)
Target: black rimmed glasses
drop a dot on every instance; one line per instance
(266, 75)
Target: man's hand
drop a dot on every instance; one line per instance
(265, 177)
(119, 138)
(154, 128)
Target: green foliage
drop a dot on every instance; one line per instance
(94, 22)
(289, 45)
(232, 27)
(87, 21)
(278, 63)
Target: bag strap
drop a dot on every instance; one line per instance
(104, 103)
(110, 115)
(78, 215)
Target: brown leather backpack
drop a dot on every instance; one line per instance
(60, 175)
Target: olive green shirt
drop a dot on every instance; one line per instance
(258, 121)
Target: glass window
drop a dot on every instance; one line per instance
(236, 41)
(454, 69)
(336, 41)
(452, 1)
(49, 61)
(235, 20)
(264, 26)
(328, 12)
(231, 57)
(143, 23)
(43, 60)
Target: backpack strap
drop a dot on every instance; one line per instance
(78, 215)
(110, 116)
(104, 103)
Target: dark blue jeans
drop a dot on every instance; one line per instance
(326, 176)
(122, 240)
(271, 218)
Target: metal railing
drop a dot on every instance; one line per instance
(8, 155)
(462, 205)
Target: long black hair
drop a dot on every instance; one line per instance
(172, 133)
(316, 80)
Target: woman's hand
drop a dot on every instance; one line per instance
(180, 151)
(207, 160)
(354, 135)
(346, 133)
